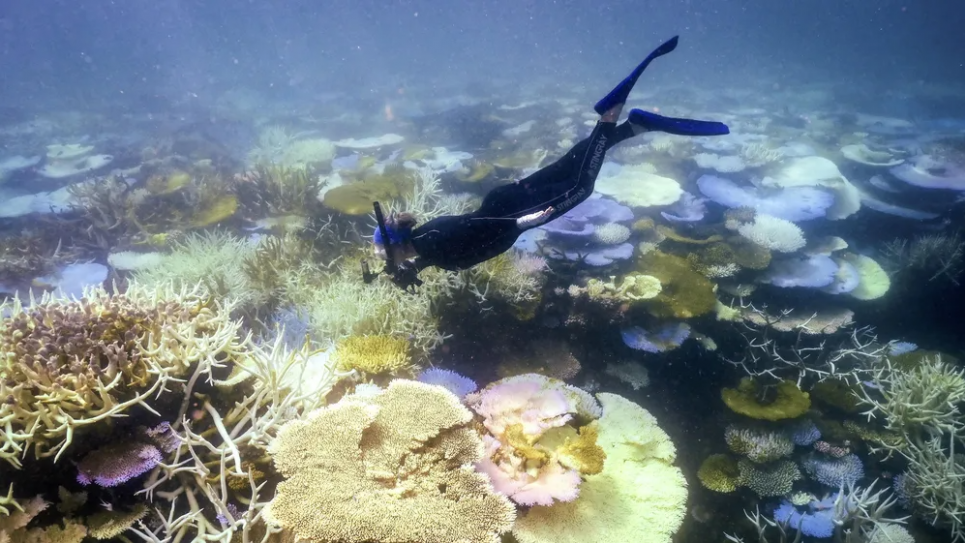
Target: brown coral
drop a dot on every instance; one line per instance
(393, 467)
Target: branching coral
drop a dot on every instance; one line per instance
(935, 255)
(213, 467)
(757, 445)
(69, 364)
(922, 400)
(395, 468)
(277, 191)
(214, 259)
(801, 354)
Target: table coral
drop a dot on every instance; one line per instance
(532, 455)
(684, 294)
(639, 496)
(789, 401)
(393, 467)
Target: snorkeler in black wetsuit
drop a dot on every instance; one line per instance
(460, 242)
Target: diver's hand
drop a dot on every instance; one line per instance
(534, 219)
(407, 275)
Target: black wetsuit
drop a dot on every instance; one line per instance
(462, 241)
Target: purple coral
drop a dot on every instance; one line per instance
(688, 208)
(665, 337)
(810, 272)
(817, 520)
(834, 472)
(804, 433)
(449, 380)
(791, 204)
(117, 463)
(570, 237)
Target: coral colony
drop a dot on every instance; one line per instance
(189, 351)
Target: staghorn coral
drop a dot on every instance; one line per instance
(395, 469)
(750, 399)
(214, 259)
(212, 487)
(339, 304)
(719, 472)
(922, 400)
(277, 191)
(73, 363)
(373, 355)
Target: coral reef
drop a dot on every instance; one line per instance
(532, 456)
(373, 355)
(394, 467)
(786, 401)
(760, 446)
(719, 472)
(97, 357)
(684, 294)
(639, 495)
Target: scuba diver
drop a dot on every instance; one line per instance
(462, 241)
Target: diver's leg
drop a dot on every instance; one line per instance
(618, 96)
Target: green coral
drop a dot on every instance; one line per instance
(749, 255)
(750, 399)
(685, 293)
(720, 473)
(837, 393)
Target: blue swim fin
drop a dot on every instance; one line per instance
(619, 94)
(681, 127)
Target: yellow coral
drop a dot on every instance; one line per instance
(582, 452)
(685, 293)
(719, 472)
(639, 496)
(373, 354)
(392, 467)
(109, 524)
(672, 235)
(788, 402)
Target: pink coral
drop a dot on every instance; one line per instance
(521, 401)
(517, 412)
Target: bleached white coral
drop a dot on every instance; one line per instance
(773, 233)
(631, 373)
(611, 233)
(722, 164)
